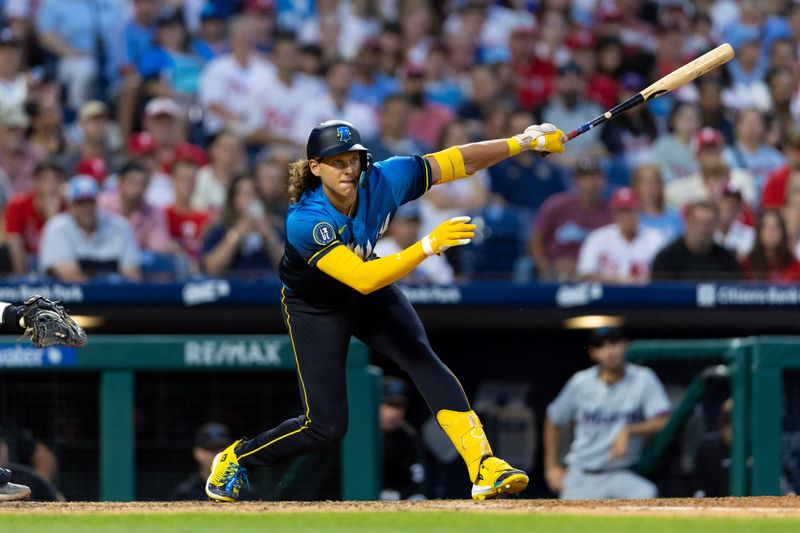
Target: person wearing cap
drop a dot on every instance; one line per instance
(623, 251)
(213, 28)
(333, 287)
(708, 147)
(568, 105)
(750, 150)
(614, 406)
(732, 233)
(26, 214)
(229, 83)
(209, 439)
(695, 255)
(565, 219)
(403, 461)
(771, 257)
(13, 82)
(82, 243)
(164, 122)
(262, 15)
(172, 66)
(95, 141)
(17, 156)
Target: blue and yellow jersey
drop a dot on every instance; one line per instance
(314, 227)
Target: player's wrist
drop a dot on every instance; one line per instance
(428, 245)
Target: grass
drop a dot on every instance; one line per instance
(385, 522)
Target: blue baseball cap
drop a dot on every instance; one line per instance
(82, 187)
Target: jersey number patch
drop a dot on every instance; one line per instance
(323, 233)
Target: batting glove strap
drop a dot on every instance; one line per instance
(541, 138)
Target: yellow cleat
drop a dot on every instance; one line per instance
(227, 476)
(498, 478)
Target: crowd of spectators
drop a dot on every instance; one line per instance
(150, 139)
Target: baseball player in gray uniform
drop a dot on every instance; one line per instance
(615, 406)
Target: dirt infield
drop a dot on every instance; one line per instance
(786, 506)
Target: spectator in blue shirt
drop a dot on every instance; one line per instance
(172, 67)
(371, 85)
(80, 34)
(522, 181)
(138, 33)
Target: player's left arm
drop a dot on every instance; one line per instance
(461, 161)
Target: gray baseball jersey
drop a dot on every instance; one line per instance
(600, 411)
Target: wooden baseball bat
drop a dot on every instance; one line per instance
(690, 71)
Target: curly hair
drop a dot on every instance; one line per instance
(300, 180)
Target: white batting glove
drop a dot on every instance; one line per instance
(541, 138)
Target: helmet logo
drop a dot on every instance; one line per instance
(344, 134)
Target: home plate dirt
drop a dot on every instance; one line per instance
(783, 506)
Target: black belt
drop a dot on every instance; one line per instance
(604, 470)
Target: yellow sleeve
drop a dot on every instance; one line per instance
(365, 277)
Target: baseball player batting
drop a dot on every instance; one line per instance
(335, 288)
(47, 323)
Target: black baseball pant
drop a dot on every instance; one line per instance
(385, 321)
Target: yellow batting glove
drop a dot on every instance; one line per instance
(454, 232)
(545, 138)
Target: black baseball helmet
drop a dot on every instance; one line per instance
(336, 137)
(333, 137)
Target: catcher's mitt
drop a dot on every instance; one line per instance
(48, 323)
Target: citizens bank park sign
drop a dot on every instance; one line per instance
(714, 295)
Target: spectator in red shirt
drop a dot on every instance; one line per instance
(771, 258)
(27, 212)
(778, 180)
(186, 224)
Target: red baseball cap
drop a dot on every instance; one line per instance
(94, 167)
(259, 5)
(141, 144)
(708, 137)
(624, 198)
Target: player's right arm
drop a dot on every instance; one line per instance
(553, 471)
(368, 276)
(461, 161)
(559, 413)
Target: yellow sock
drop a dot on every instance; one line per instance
(466, 432)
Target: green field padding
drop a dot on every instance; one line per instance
(385, 522)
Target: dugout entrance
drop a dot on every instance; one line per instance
(123, 409)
